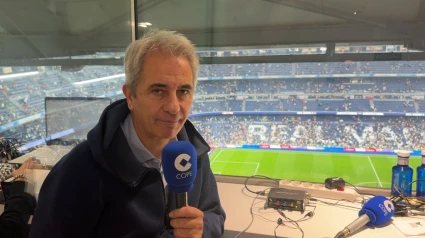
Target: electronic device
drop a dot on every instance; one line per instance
(334, 183)
(179, 163)
(67, 121)
(287, 199)
(378, 210)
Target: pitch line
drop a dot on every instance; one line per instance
(374, 170)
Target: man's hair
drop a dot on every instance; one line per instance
(155, 40)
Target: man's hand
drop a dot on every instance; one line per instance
(187, 222)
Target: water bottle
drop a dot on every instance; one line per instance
(420, 186)
(402, 175)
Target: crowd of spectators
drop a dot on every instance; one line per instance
(379, 132)
(21, 97)
(285, 50)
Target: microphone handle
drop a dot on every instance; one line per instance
(181, 200)
(354, 226)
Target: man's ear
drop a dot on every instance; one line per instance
(128, 96)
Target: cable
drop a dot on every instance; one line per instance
(261, 216)
(252, 214)
(416, 201)
(8, 150)
(357, 190)
(296, 223)
(262, 193)
(402, 203)
(291, 221)
(336, 203)
(405, 188)
(282, 223)
(276, 229)
(309, 215)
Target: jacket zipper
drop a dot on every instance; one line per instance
(163, 192)
(164, 199)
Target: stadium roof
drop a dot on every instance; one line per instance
(53, 28)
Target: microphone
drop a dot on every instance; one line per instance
(179, 164)
(376, 211)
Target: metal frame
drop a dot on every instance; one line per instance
(133, 20)
(409, 56)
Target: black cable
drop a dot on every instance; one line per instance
(296, 223)
(306, 217)
(291, 221)
(275, 230)
(357, 190)
(8, 152)
(334, 204)
(262, 217)
(402, 204)
(403, 194)
(309, 215)
(252, 214)
(262, 193)
(9, 149)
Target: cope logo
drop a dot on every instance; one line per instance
(182, 164)
(387, 207)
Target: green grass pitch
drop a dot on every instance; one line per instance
(370, 170)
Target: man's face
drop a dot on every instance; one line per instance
(163, 97)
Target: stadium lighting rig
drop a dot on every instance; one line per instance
(144, 24)
(8, 76)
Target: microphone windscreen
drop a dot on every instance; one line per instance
(379, 209)
(179, 164)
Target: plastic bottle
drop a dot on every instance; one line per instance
(420, 186)
(402, 175)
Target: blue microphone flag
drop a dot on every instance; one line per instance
(179, 163)
(379, 209)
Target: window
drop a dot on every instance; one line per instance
(57, 49)
(308, 87)
(313, 89)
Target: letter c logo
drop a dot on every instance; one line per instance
(182, 162)
(389, 205)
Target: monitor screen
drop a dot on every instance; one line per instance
(69, 119)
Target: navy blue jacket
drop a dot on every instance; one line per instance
(100, 189)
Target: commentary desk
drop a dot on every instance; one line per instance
(327, 221)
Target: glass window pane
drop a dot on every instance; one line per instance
(292, 76)
(58, 49)
(283, 80)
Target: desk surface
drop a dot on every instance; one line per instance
(327, 221)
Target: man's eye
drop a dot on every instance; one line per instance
(184, 91)
(157, 91)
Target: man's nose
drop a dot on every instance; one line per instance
(172, 105)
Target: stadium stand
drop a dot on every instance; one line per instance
(22, 97)
(345, 131)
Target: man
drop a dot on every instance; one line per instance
(19, 205)
(112, 184)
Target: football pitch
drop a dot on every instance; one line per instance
(369, 170)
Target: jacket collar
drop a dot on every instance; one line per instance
(117, 153)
